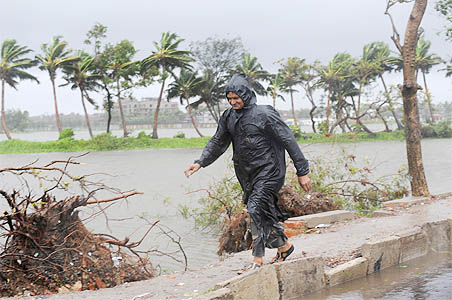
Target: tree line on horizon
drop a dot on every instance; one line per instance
(202, 70)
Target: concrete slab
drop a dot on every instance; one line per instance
(413, 244)
(299, 277)
(382, 254)
(382, 213)
(328, 217)
(438, 235)
(406, 202)
(351, 270)
(221, 294)
(257, 284)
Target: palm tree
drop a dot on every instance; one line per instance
(276, 85)
(80, 75)
(185, 86)
(330, 76)
(165, 57)
(211, 92)
(292, 73)
(254, 73)
(385, 63)
(12, 66)
(55, 56)
(365, 71)
(424, 61)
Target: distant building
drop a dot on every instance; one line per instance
(144, 107)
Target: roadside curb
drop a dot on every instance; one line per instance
(298, 277)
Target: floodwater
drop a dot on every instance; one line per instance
(426, 278)
(158, 173)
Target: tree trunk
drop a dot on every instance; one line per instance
(192, 118)
(123, 120)
(86, 114)
(5, 129)
(212, 112)
(428, 97)
(109, 104)
(391, 108)
(328, 107)
(274, 101)
(383, 119)
(293, 110)
(156, 113)
(308, 90)
(57, 115)
(410, 103)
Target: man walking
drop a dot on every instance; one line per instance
(259, 137)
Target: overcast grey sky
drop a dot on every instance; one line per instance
(270, 30)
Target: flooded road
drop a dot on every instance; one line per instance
(159, 175)
(426, 278)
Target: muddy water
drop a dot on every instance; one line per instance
(159, 175)
(427, 278)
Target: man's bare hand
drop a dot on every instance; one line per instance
(305, 183)
(192, 169)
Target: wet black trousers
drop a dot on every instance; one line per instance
(265, 217)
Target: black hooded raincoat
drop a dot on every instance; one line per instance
(259, 137)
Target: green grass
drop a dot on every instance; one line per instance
(106, 142)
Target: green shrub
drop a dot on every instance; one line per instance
(66, 134)
(323, 127)
(428, 131)
(296, 130)
(142, 135)
(105, 141)
(179, 135)
(443, 129)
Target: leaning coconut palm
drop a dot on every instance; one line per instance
(292, 72)
(211, 92)
(254, 73)
(55, 56)
(12, 66)
(385, 63)
(80, 76)
(276, 85)
(186, 86)
(165, 57)
(424, 61)
(331, 76)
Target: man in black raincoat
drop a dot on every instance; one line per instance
(259, 137)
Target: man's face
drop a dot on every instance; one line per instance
(235, 101)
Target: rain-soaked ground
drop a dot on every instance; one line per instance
(426, 278)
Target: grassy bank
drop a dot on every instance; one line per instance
(105, 142)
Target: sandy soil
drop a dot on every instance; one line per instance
(336, 243)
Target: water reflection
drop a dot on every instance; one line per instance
(429, 278)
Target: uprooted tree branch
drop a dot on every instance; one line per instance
(46, 244)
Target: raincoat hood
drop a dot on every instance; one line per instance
(239, 85)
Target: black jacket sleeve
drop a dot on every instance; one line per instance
(281, 132)
(217, 145)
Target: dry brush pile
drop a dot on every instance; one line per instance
(46, 246)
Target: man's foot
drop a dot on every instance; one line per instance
(281, 256)
(252, 266)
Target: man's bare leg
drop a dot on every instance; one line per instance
(258, 260)
(286, 247)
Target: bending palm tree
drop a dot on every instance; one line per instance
(254, 72)
(186, 86)
(165, 57)
(292, 74)
(275, 86)
(12, 67)
(80, 76)
(55, 56)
